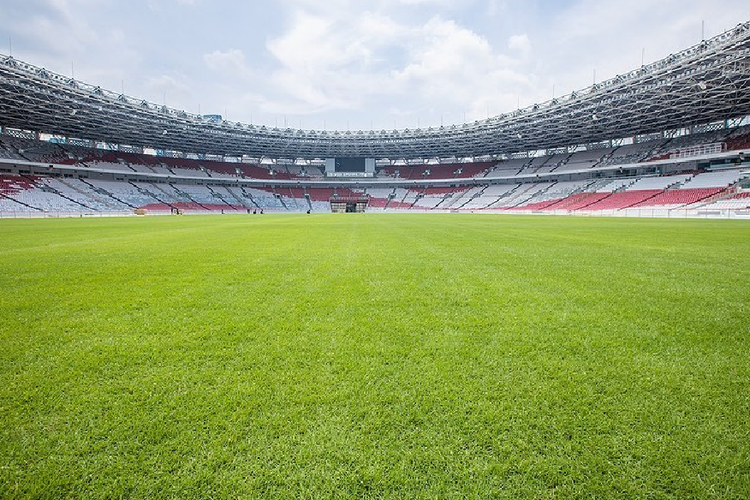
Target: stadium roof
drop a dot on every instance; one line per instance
(705, 83)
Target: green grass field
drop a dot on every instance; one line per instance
(374, 356)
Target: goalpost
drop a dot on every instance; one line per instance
(348, 204)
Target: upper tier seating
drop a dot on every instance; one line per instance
(583, 160)
(632, 153)
(508, 168)
(436, 171)
(33, 150)
(739, 139)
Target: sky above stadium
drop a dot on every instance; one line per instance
(359, 65)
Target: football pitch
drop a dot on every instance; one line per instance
(374, 356)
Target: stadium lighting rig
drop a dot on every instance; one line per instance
(653, 98)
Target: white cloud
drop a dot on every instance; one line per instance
(601, 36)
(327, 64)
(459, 66)
(170, 88)
(343, 61)
(418, 2)
(520, 43)
(347, 64)
(231, 62)
(496, 7)
(312, 44)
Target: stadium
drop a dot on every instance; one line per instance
(379, 313)
(665, 139)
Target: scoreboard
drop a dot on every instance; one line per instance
(350, 166)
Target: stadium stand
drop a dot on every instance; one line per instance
(557, 156)
(549, 197)
(737, 201)
(104, 190)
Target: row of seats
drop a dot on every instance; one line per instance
(42, 151)
(53, 194)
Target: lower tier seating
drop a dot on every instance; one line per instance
(46, 194)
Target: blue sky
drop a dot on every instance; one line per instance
(340, 64)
